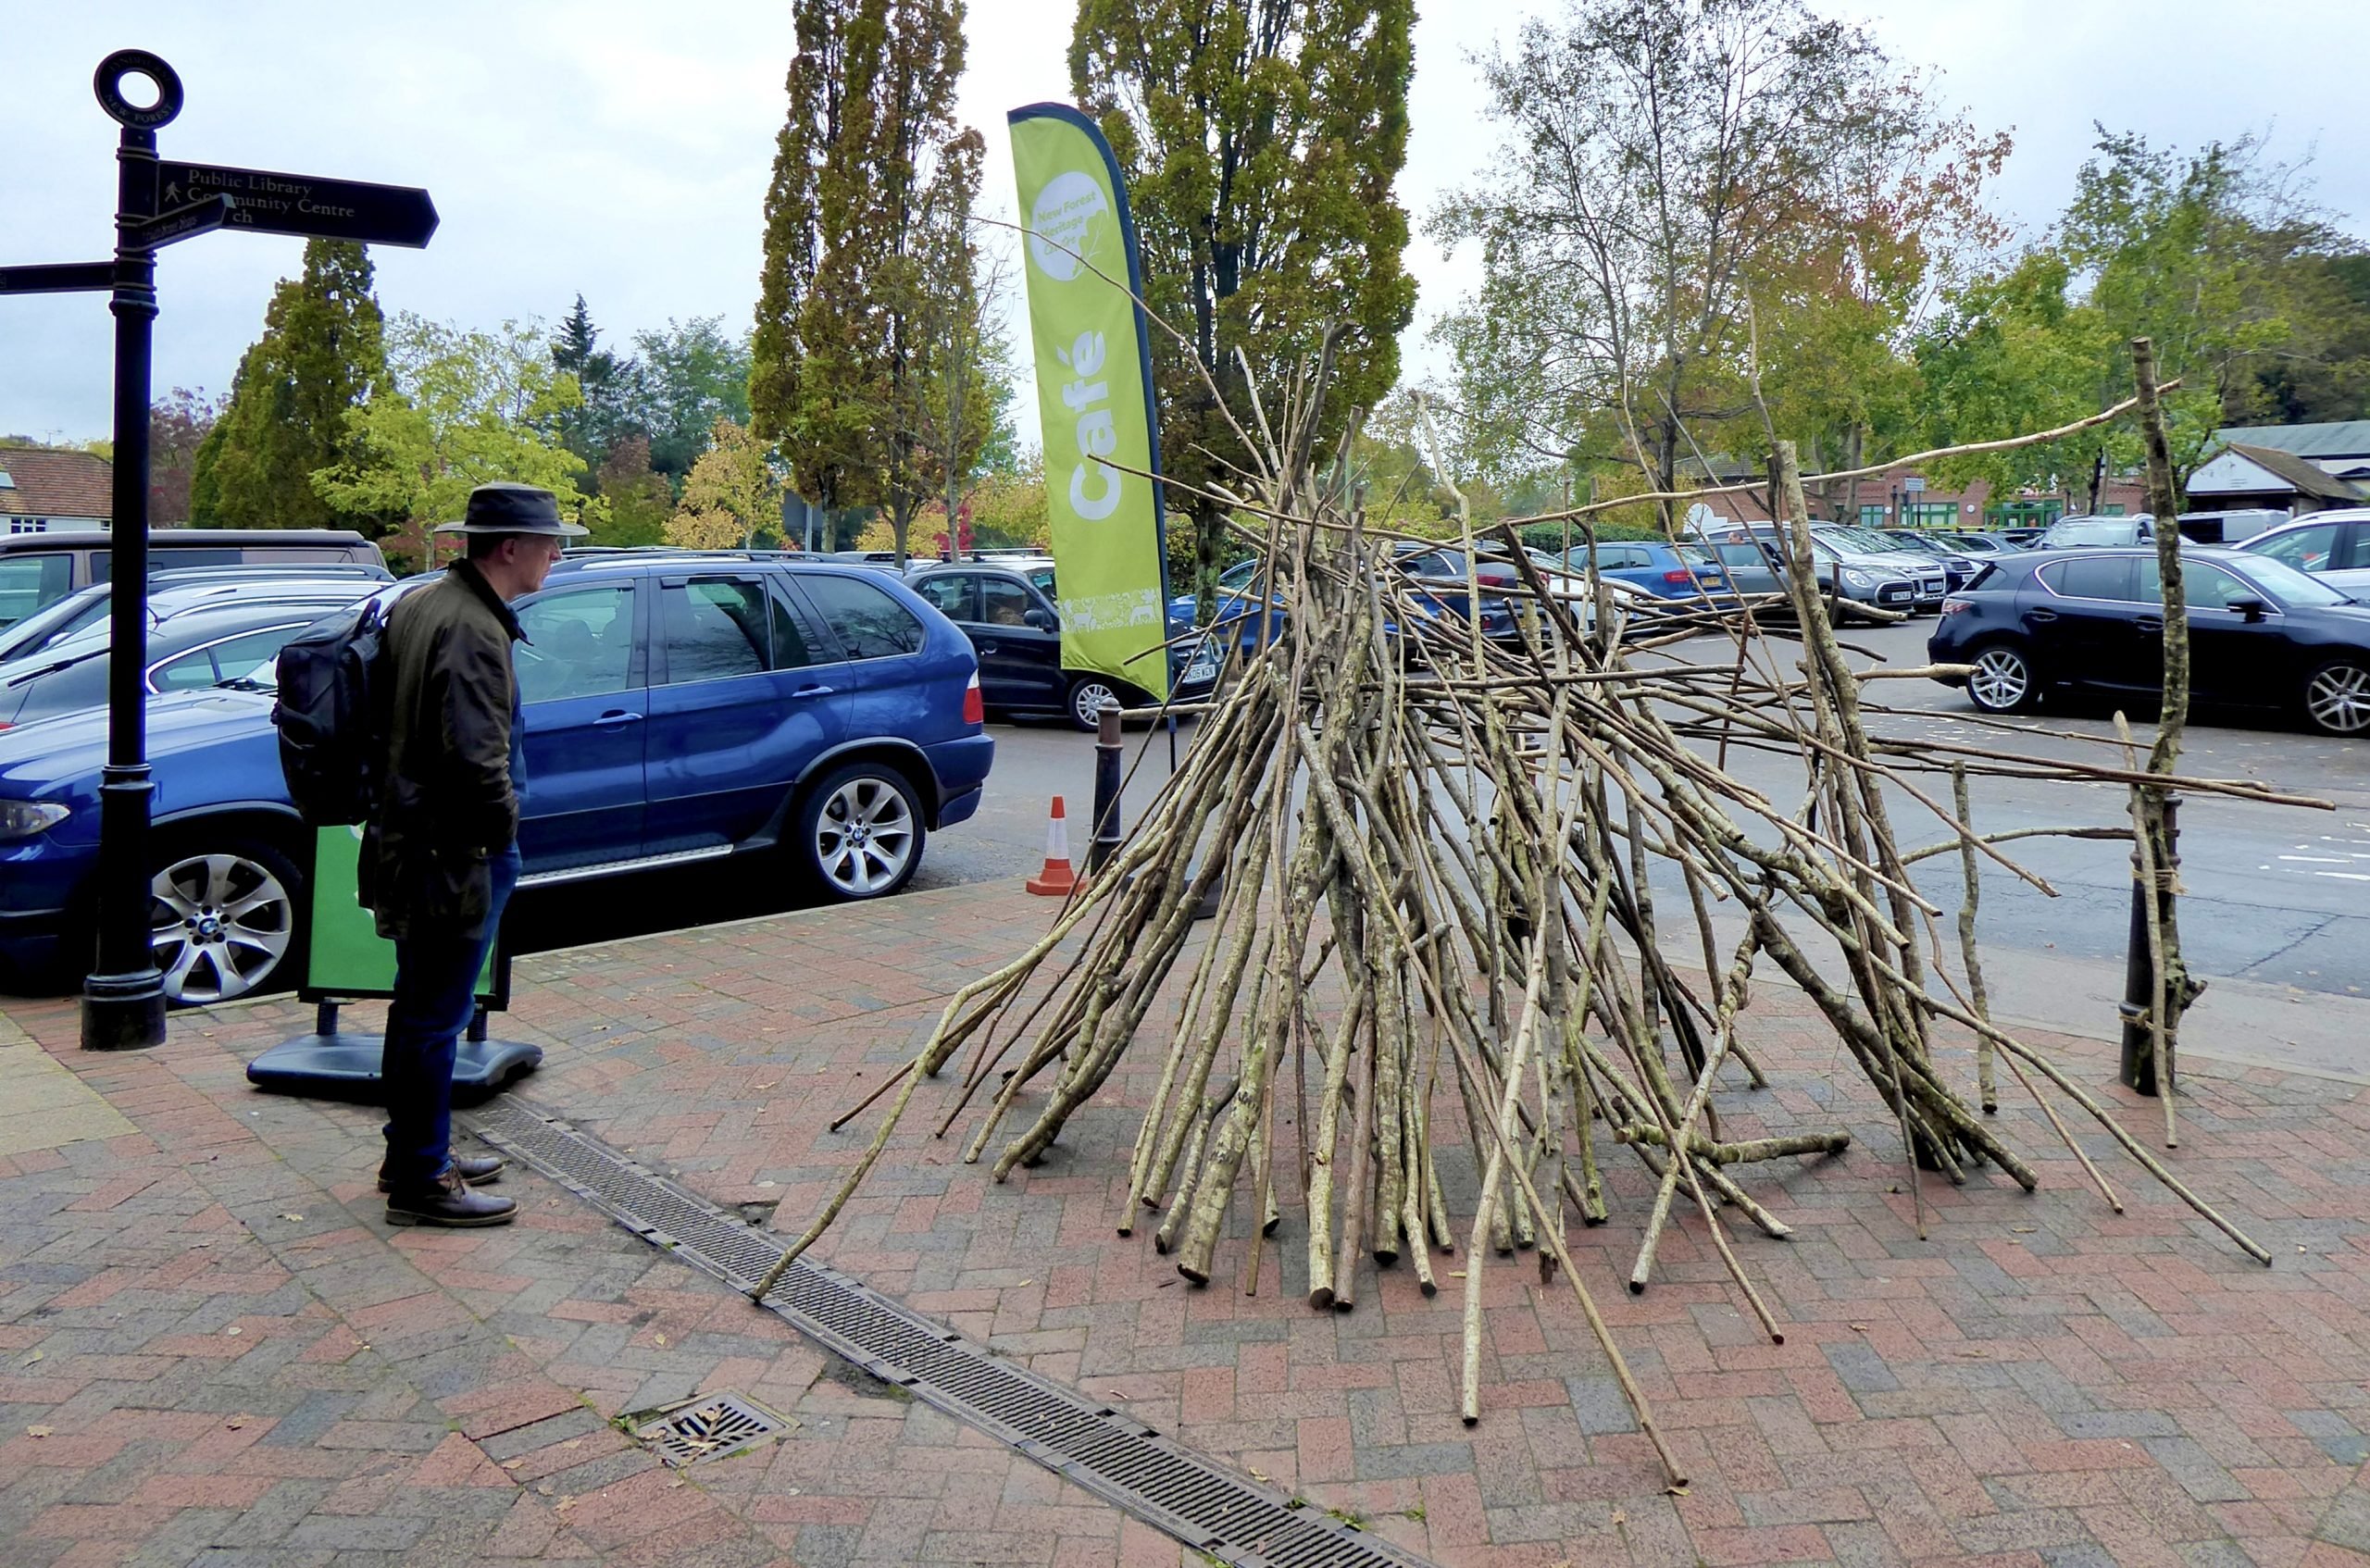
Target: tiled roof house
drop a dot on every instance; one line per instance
(42, 489)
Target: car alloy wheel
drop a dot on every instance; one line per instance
(865, 834)
(1088, 693)
(220, 924)
(2002, 681)
(2337, 698)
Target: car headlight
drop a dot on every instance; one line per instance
(1858, 578)
(22, 819)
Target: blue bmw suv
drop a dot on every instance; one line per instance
(679, 708)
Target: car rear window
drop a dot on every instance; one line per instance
(870, 624)
(2108, 577)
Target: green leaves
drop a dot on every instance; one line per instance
(1259, 145)
(321, 356)
(460, 408)
(2209, 254)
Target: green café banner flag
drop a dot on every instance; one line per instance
(1094, 397)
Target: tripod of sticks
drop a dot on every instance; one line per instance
(1436, 857)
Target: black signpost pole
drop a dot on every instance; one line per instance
(156, 204)
(123, 999)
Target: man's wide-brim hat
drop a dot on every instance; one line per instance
(508, 507)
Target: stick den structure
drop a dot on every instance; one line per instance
(1437, 861)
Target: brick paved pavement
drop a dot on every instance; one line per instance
(229, 1352)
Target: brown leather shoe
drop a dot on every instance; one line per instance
(449, 1204)
(476, 1173)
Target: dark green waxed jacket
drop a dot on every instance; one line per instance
(449, 802)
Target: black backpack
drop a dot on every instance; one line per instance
(331, 714)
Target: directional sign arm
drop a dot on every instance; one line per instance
(198, 217)
(273, 202)
(58, 277)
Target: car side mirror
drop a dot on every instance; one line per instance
(1043, 620)
(2248, 609)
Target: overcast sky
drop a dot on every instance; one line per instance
(621, 149)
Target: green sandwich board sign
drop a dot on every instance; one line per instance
(350, 960)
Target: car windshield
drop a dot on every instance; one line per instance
(2089, 530)
(1866, 538)
(2291, 586)
(1922, 545)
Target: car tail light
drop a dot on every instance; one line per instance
(975, 707)
(1952, 606)
(1677, 576)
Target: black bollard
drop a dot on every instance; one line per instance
(1105, 842)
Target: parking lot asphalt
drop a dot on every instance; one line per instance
(2277, 896)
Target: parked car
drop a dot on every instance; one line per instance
(1848, 573)
(1983, 546)
(1656, 567)
(822, 718)
(2333, 546)
(1235, 622)
(1868, 548)
(206, 642)
(2229, 527)
(38, 570)
(1009, 613)
(87, 607)
(1440, 577)
(1959, 565)
(2261, 634)
(2091, 533)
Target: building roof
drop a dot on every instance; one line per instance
(2290, 470)
(2343, 437)
(45, 483)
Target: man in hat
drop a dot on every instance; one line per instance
(441, 856)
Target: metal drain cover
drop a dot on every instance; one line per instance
(1223, 1515)
(709, 1427)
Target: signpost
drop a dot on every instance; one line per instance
(158, 204)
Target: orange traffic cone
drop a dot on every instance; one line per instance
(1057, 880)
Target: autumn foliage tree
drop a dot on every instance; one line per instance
(1687, 192)
(733, 494)
(869, 169)
(1260, 144)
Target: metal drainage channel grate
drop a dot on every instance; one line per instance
(1117, 1459)
(711, 1427)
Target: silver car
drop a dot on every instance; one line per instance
(2333, 546)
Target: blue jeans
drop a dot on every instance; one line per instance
(436, 997)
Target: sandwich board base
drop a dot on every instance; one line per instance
(330, 1064)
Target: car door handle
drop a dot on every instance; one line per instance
(2150, 623)
(812, 692)
(616, 718)
(2044, 615)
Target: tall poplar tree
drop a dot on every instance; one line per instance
(1259, 143)
(322, 353)
(866, 155)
